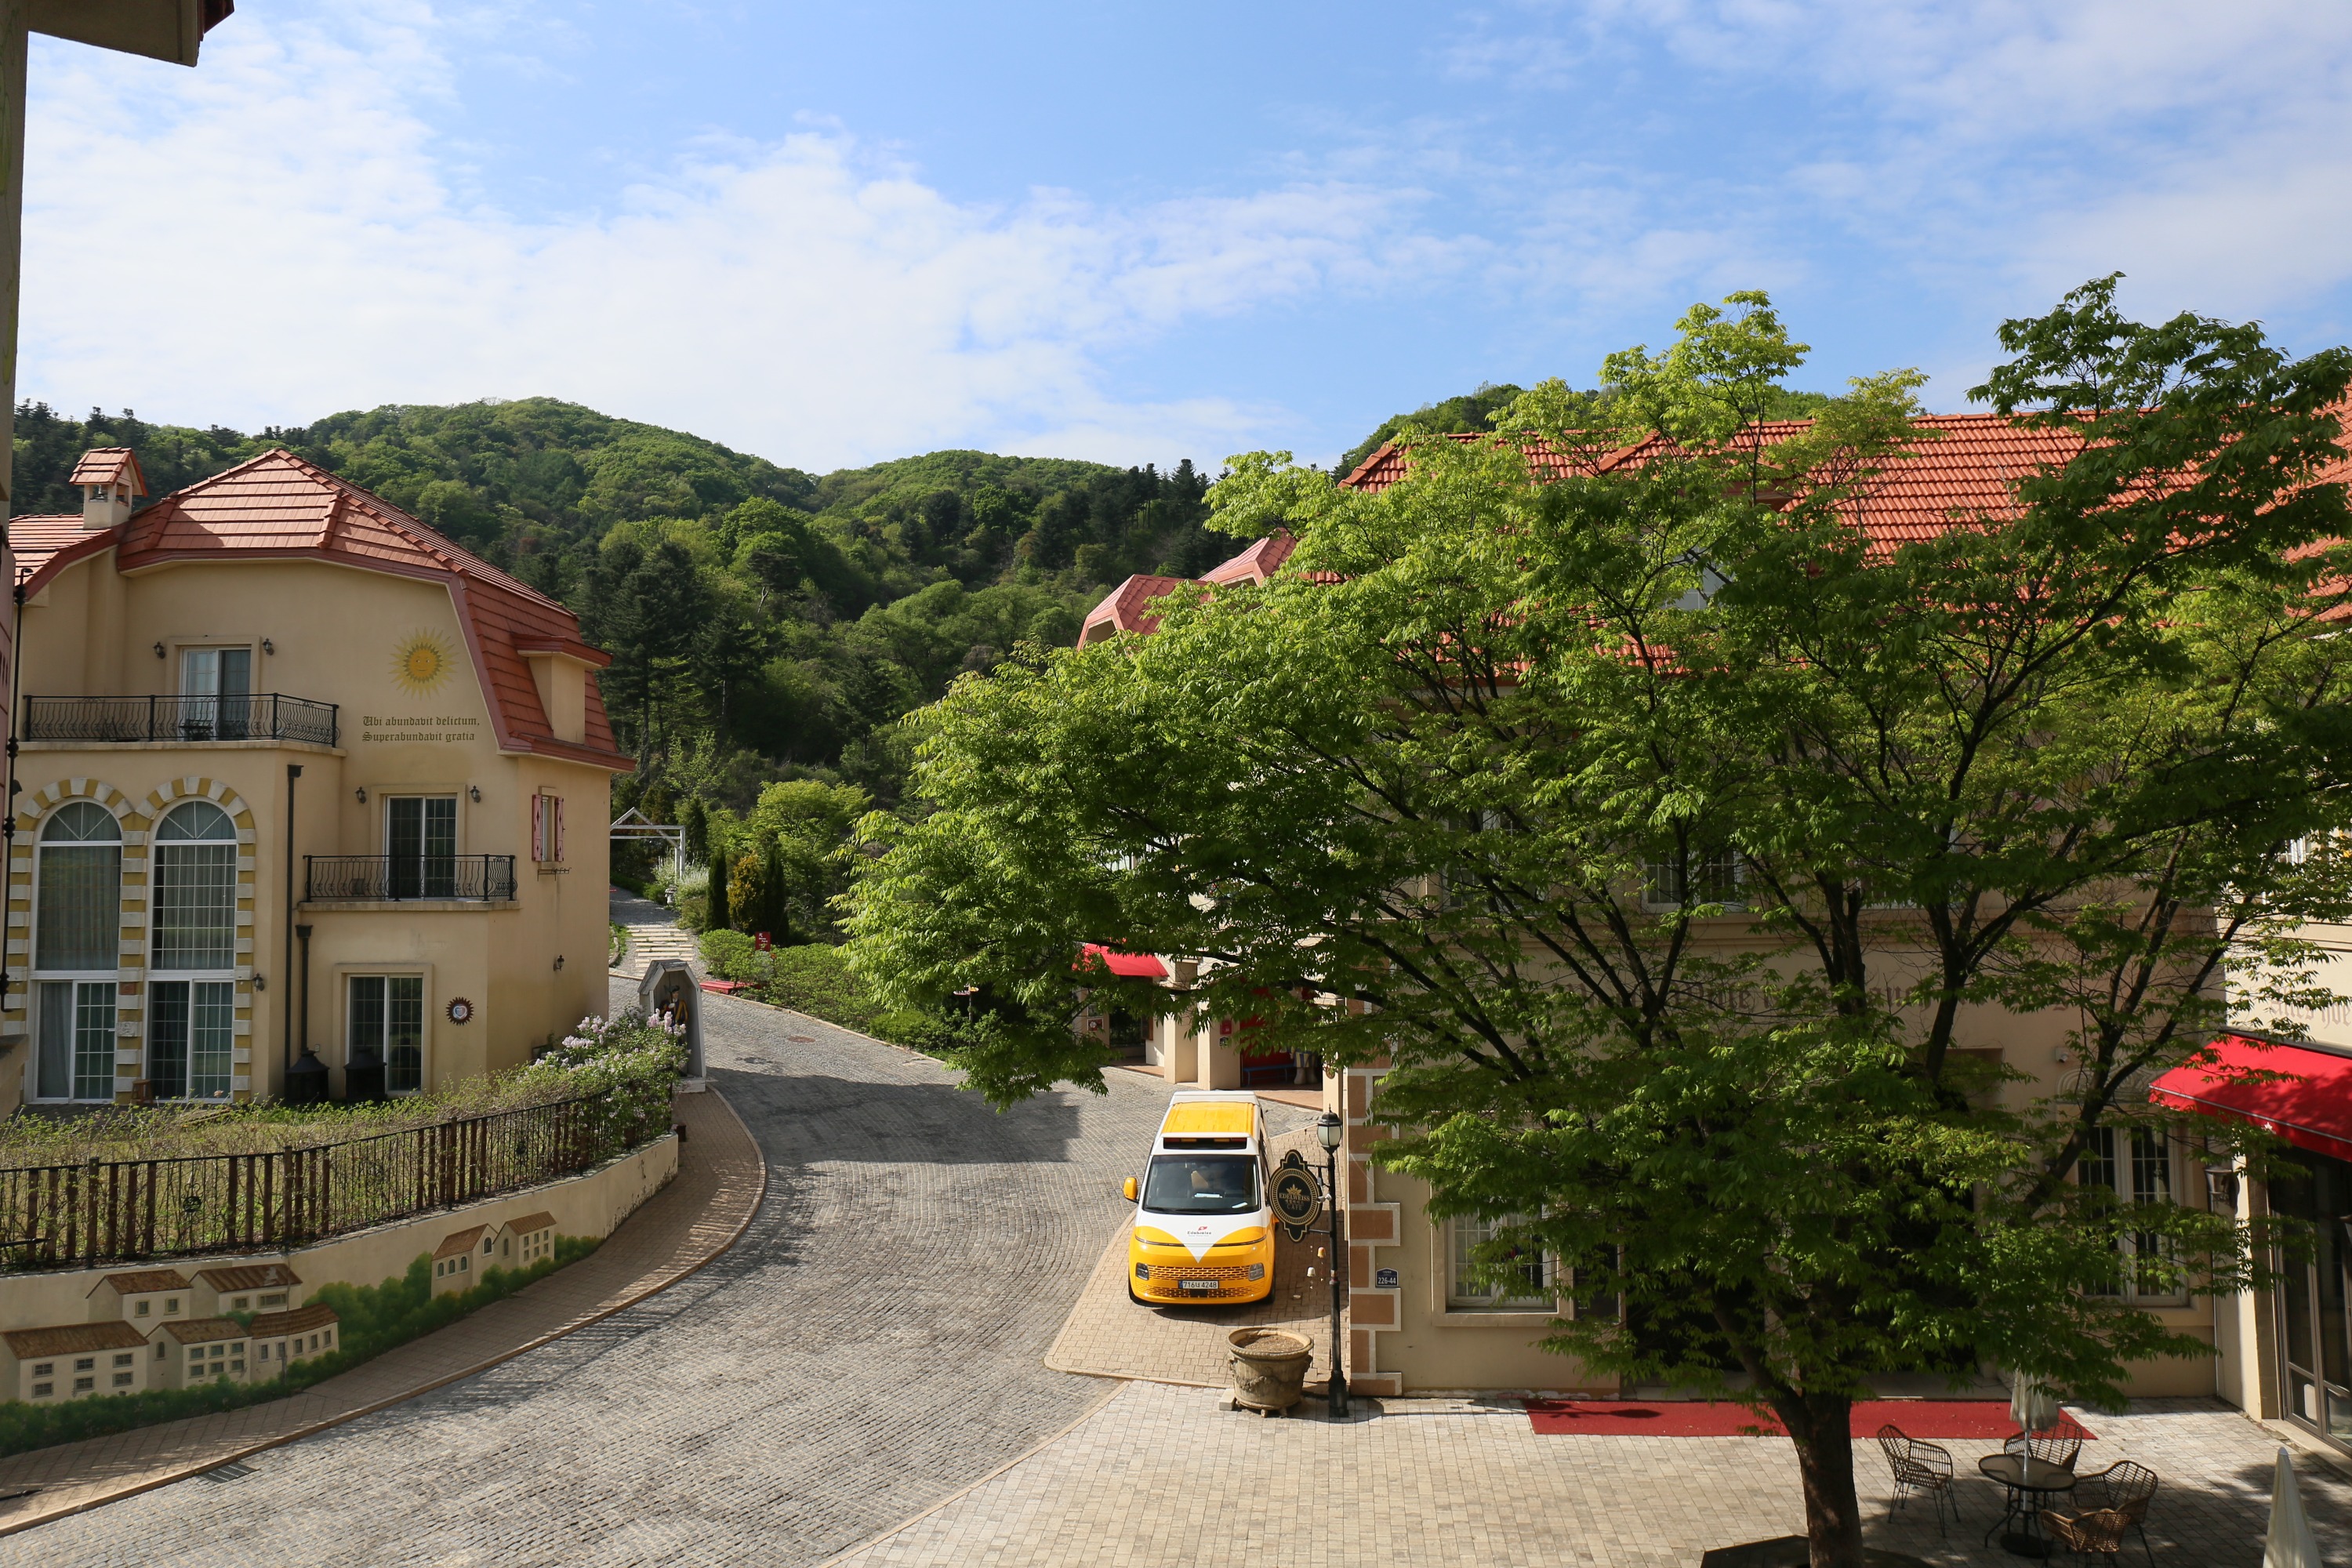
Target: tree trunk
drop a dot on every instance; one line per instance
(1821, 1426)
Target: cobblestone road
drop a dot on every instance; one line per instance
(873, 1345)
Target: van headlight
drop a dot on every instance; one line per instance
(1144, 1271)
(1257, 1271)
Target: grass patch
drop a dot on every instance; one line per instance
(376, 1318)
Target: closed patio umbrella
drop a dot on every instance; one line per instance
(2290, 1544)
(2030, 1404)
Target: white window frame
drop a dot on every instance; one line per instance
(1462, 1233)
(2133, 1163)
(218, 980)
(80, 980)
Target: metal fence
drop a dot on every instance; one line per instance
(392, 877)
(115, 1211)
(244, 716)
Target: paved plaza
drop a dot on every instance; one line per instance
(1159, 1477)
(870, 1378)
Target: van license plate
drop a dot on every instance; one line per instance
(1208, 1287)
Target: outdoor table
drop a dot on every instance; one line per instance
(2030, 1482)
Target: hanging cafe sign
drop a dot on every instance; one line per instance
(1298, 1195)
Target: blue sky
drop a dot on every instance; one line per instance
(831, 235)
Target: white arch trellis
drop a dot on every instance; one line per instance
(634, 823)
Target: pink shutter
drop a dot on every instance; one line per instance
(559, 825)
(539, 827)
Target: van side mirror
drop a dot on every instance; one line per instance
(1127, 1189)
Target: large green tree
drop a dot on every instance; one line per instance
(1673, 834)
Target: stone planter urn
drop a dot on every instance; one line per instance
(1269, 1367)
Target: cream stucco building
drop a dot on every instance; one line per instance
(294, 770)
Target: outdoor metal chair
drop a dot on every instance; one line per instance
(1923, 1468)
(2123, 1491)
(2099, 1533)
(2053, 1444)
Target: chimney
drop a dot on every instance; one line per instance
(110, 481)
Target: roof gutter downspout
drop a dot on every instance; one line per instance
(8, 805)
(286, 969)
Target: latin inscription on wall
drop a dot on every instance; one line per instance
(432, 730)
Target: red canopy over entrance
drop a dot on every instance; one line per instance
(1135, 965)
(2313, 1112)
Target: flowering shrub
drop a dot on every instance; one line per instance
(633, 1060)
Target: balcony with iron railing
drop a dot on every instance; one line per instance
(179, 720)
(401, 878)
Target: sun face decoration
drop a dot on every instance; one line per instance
(420, 664)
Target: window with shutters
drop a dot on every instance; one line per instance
(547, 829)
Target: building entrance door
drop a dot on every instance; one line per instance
(2315, 1336)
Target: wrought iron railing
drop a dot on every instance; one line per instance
(385, 878)
(109, 1211)
(116, 721)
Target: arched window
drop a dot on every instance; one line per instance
(190, 1023)
(76, 946)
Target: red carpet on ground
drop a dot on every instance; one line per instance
(1695, 1418)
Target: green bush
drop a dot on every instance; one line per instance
(374, 1318)
(644, 1059)
(731, 956)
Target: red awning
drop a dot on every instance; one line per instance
(2313, 1111)
(1135, 965)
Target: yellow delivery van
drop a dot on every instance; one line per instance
(1202, 1230)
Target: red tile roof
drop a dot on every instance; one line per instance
(532, 1224)
(73, 1339)
(251, 1277)
(300, 1320)
(205, 1331)
(460, 1241)
(1123, 608)
(1256, 565)
(106, 465)
(141, 1282)
(278, 507)
(1962, 466)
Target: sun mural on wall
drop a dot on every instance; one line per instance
(421, 664)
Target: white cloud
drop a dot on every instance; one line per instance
(1989, 154)
(294, 245)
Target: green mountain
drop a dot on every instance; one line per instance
(765, 622)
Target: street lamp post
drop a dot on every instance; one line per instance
(1331, 1133)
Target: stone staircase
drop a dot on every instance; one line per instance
(654, 932)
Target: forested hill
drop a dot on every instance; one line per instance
(764, 621)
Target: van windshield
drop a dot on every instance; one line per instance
(1201, 1183)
